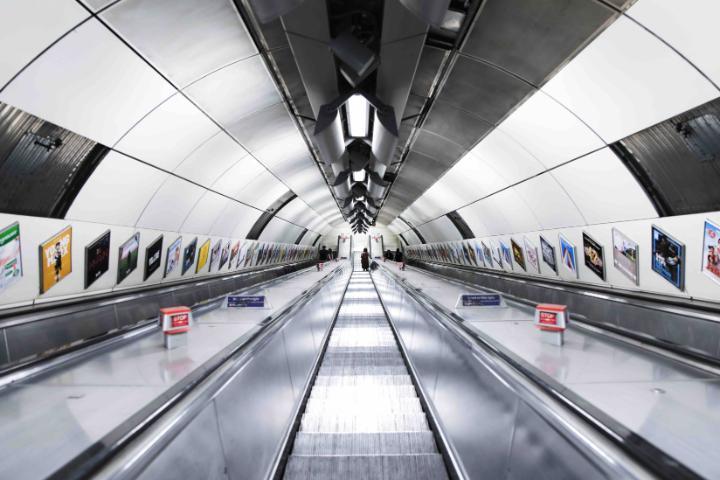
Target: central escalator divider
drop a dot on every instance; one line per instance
(363, 418)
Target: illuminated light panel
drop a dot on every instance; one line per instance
(359, 176)
(358, 116)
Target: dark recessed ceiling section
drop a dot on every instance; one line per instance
(462, 226)
(268, 215)
(300, 237)
(677, 161)
(42, 166)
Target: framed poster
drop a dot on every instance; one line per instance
(224, 255)
(55, 259)
(567, 255)
(668, 258)
(233, 254)
(710, 252)
(97, 258)
(215, 255)
(189, 256)
(203, 255)
(548, 254)
(172, 259)
(487, 253)
(153, 257)
(594, 256)
(506, 254)
(10, 256)
(496, 255)
(625, 256)
(531, 255)
(518, 254)
(128, 254)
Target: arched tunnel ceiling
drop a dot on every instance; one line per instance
(200, 135)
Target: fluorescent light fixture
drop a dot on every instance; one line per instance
(358, 116)
(359, 176)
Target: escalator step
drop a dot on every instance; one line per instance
(362, 380)
(365, 370)
(350, 422)
(371, 467)
(364, 405)
(385, 391)
(364, 443)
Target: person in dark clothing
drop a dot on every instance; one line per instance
(398, 255)
(323, 254)
(365, 260)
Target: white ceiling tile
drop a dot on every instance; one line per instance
(278, 230)
(627, 80)
(474, 217)
(235, 221)
(255, 131)
(168, 134)
(262, 191)
(42, 21)
(210, 160)
(184, 39)
(205, 213)
(603, 189)
(546, 132)
(235, 179)
(117, 191)
(90, 83)
(96, 5)
(551, 205)
(690, 27)
(171, 205)
(506, 157)
(246, 88)
(440, 229)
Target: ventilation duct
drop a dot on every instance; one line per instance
(357, 61)
(376, 186)
(329, 138)
(342, 185)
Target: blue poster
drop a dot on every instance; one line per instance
(567, 255)
(668, 258)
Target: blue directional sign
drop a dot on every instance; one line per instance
(246, 301)
(482, 300)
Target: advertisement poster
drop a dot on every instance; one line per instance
(488, 255)
(128, 257)
(203, 256)
(531, 255)
(189, 256)
(593, 256)
(233, 254)
(567, 255)
(173, 256)
(97, 258)
(496, 255)
(506, 255)
(518, 254)
(215, 255)
(711, 251)
(153, 257)
(10, 256)
(548, 254)
(668, 258)
(55, 259)
(625, 256)
(224, 255)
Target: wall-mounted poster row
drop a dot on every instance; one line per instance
(56, 262)
(667, 255)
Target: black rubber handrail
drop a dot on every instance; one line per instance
(636, 447)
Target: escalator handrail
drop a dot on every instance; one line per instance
(129, 448)
(646, 456)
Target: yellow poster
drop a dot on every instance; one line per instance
(55, 259)
(203, 255)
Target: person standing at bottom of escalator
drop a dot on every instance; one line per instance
(365, 260)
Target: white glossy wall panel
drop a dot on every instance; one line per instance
(690, 27)
(508, 159)
(168, 134)
(246, 88)
(440, 229)
(42, 21)
(170, 205)
(184, 39)
(262, 191)
(627, 80)
(551, 205)
(281, 230)
(603, 189)
(547, 131)
(236, 221)
(117, 191)
(207, 163)
(205, 213)
(234, 180)
(90, 83)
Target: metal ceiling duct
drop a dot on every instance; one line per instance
(358, 61)
(268, 10)
(330, 139)
(376, 187)
(359, 190)
(342, 185)
(429, 11)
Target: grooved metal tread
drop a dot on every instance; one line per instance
(363, 418)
